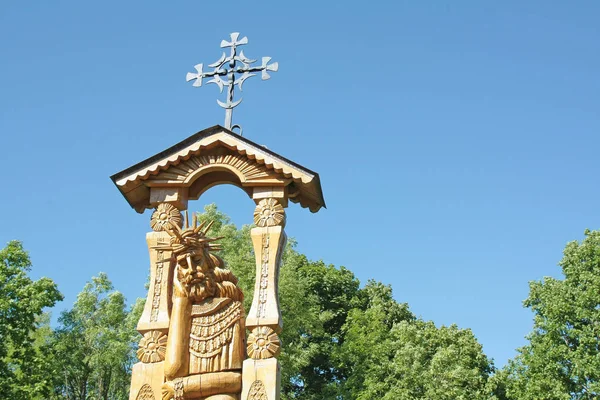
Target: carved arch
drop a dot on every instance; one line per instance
(188, 171)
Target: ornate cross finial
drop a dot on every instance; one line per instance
(220, 69)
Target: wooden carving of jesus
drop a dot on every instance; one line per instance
(205, 345)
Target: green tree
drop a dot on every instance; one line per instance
(366, 335)
(94, 344)
(562, 359)
(393, 355)
(23, 326)
(331, 292)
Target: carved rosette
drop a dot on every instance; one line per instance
(263, 343)
(269, 212)
(164, 217)
(257, 391)
(152, 347)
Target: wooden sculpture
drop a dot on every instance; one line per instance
(193, 323)
(205, 347)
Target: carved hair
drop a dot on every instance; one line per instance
(225, 280)
(192, 240)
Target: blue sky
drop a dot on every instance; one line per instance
(457, 142)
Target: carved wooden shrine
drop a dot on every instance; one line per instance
(193, 326)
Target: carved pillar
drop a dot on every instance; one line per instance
(261, 371)
(147, 375)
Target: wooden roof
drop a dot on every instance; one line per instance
(225, 157)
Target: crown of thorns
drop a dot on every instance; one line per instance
(192, 238)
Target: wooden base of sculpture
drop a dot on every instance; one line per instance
(261, 379)
(146, 381)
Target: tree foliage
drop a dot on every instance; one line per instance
(93, 346)
(562, 359)
(23, 368)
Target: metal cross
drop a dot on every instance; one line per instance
(245, 70)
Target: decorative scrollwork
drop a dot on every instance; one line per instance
(158, 284)
(164, 217)
(269, 212)
(264, 278)
(152, 347)
(263, 343)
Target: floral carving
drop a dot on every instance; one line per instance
(164, 217)
(152, 347)
(263, 343)
(257, 391)
(269, 212)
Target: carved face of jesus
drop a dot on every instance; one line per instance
(196, 273)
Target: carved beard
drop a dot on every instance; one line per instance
(201, 290)
(198, 285)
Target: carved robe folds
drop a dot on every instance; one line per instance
(206, 361)
(215, 344)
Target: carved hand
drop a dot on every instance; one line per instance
(179, 290)
(168, 390)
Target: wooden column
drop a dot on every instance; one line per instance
(147, 376)
(261, 371)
